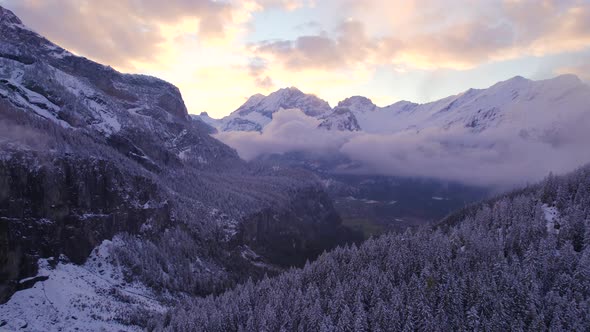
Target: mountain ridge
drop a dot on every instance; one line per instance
(362, 108)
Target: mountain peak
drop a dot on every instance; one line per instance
(290, 89)
(8, 17)
(285, 98)
(567, 79)
(357, 104)
(516, 81)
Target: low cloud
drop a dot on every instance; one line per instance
(290, 130)
(498, 158)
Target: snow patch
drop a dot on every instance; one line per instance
(552, 216)
(89, 297)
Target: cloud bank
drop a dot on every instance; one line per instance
(290, 130)
(497, 158)
(435, 38)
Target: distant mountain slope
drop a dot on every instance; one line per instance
(517, 103)
(513, 132)
(520, 261)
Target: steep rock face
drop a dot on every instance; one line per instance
(342, 119)
(144, 114)
(66, 206)
(357, 104)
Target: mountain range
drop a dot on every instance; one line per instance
(120, 211)
(528, 128)
(531, 106)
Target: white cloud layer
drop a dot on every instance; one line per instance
(500, 158)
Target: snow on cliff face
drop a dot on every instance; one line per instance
(89, 297)
(342, 119)
(357, 104)
(138, 114)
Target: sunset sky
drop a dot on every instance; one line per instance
(220, 52)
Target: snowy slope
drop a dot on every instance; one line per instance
(258, 110)
(284, 98)
(341, 119)
(89, 297)
(140, 114)
(514, 131)
(518, 103)
(533, 107)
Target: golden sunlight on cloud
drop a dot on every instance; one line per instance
(211, 50)
(331, 85)
(211, 86)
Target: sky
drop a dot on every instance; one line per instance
(221, 52)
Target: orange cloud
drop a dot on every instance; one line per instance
(426, 34)
(201, 45)
(117, 32)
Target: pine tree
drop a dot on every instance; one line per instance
(345, 322)
(360, 316)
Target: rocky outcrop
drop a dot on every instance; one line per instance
(341, 119)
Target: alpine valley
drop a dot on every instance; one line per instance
(120, 211)
(387, 168)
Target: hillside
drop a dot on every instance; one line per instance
(88, 154)
(520, 261)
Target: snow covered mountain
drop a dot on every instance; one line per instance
(257, 111)
(528, 128)
(519, 103)
(342, 119)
